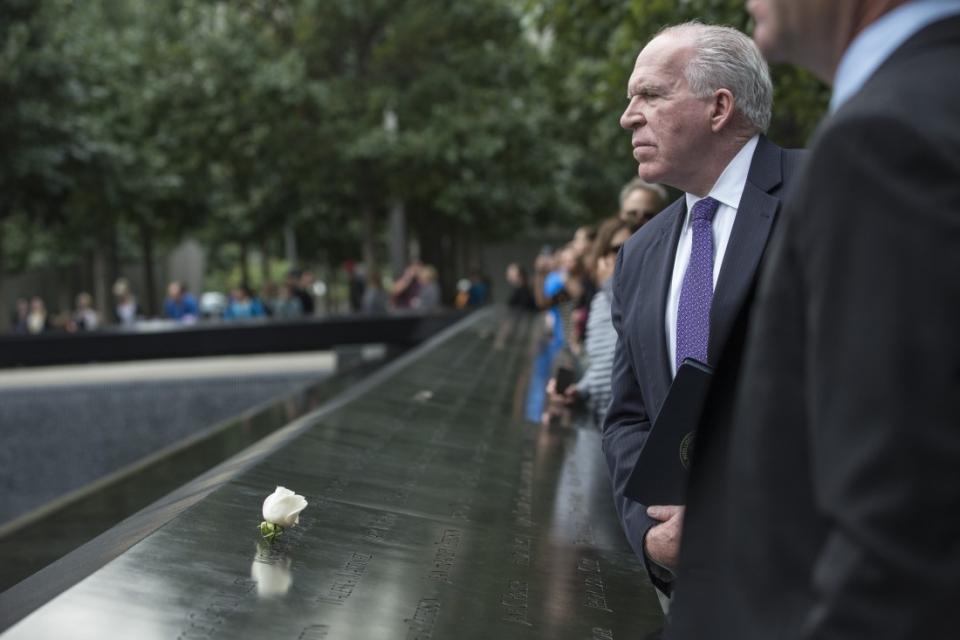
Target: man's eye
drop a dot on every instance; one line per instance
(645, 95)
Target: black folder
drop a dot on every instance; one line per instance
(660, 475)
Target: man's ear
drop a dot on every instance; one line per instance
(721, 110)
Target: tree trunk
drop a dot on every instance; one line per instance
(398, 239)
(5, 316)
(436, 249)
(290, 246)
(148, 301)
(368, 217)
(70, 281)
(460, 258)
(244, 265)
(332, 304)
(113, 266)
(101, 283)
(264, 262)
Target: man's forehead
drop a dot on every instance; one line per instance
(661, 61)
(667, 51)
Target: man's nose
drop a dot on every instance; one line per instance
(632, 116)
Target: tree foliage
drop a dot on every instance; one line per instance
(126, 123)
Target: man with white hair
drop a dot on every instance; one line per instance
(841, 468)
(699, 102)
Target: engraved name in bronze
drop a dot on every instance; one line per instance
(347, 580)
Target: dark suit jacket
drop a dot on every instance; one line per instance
(843, 503)
(641, 370)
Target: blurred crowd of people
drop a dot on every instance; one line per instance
(294, 297)
(570, 288)
(30, 316)
(417, 289)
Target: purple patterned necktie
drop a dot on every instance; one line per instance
(696, 294)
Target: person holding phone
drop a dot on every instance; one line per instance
(593, 387)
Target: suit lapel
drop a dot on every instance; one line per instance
(657, 278)
(755, 217)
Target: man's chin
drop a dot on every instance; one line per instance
(649, 173)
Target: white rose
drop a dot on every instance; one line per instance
(283, 507)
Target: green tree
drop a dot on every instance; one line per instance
(40, 149)
(125, 124)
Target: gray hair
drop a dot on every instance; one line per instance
(639, 184)
(725, 58)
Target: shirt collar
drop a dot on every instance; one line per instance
(730, 185)
(875, 44)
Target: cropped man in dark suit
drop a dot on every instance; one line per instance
(699, 101)
(842, 464)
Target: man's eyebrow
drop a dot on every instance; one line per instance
(643, 88)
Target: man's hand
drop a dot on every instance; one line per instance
(662, 542)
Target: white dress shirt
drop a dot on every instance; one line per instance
(875, 44)
(727, 191)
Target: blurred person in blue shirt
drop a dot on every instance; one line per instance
(179, 304)
(243, 304)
